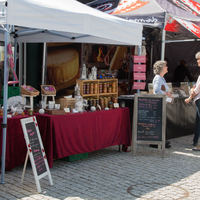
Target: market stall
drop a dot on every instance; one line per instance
(60, 21)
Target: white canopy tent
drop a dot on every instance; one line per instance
(59, 21)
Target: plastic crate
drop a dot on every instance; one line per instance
(12, 91)
(76, 157)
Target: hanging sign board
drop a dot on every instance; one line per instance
(139, 76)
(149, 121)
(139, 85)
(139, 59)
(139, 68)
(36, 151)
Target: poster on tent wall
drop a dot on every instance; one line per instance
(63, 66)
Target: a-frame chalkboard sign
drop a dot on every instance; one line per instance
(35, 151)
(149, 121)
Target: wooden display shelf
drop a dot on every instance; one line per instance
(82, 82)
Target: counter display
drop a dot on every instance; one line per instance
(69, 134)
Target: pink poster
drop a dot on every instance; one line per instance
(139, 68)
(139, 76)
(139, 85)
(139, 59)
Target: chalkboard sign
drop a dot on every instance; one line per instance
(36, 151)
(35, 148)
(149, 120)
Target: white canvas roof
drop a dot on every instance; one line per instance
(69, 19)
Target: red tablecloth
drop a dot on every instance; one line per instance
(70, 134)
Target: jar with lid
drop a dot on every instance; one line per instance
(114, 99)
(110, 105)
(109, 98)
(109, 90)
(91, 86)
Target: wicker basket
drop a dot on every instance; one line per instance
(43, 91)
(24, 91)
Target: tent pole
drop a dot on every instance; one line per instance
(4, 124)
(163, 40)
(163, 44)
(139, 53)
(44, 63)
(15, 58)
(25, 63)
(20, 63)
(129, 71)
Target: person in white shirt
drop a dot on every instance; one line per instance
(159, 84)
(195, 95)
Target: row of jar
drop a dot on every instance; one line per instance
(91, 86)
(94, 91)
(104, 102)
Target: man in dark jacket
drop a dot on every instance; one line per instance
(181, 72)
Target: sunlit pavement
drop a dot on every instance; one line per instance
(109, 174)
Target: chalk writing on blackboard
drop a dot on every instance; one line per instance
(36, 148)
(149, 122)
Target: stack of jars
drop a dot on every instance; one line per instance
(90, 88)
(107, 87)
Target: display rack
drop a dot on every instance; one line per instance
(98, 94)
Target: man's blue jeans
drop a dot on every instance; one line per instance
(197, 129)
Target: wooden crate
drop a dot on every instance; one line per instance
(67, 103)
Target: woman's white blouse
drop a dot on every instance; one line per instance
(158, 81)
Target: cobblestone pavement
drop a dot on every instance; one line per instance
(111, 175)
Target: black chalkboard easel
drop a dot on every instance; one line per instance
(149, 121)
(35, 151)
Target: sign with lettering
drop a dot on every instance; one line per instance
(139, 59)
(149, 120)
(139, 68)
(139, 85)
(36, 151)
(139, 76)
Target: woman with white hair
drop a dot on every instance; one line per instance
(159, 84)
(195, 95)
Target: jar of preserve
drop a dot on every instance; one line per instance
(100, 85)
(109, 90)
(84, 86)
(91, 91)
(101, 101)
(100, 90)
(114, 99)
(110, 105)
(104, 90)
(87, 91)
(96, 86)
(105, 100)
(95, 91)
(113, 90)
(105, 85)
(87, 86)
(109, 98)
(91, 86)
(94, 102)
